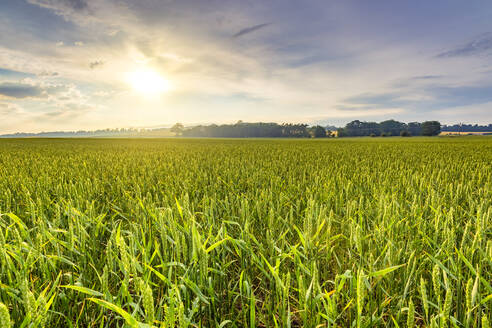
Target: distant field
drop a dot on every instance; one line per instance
(246, 233)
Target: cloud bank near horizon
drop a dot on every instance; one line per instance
(64, 63)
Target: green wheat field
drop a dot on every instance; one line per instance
(366, 232)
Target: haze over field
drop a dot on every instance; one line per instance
(91, 64)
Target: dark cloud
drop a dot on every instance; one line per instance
(479, 45)
(426, 77)
(250, 29)
(21, 90)
(96, 63)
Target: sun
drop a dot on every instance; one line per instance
(148, 82)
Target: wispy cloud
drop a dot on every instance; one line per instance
(70, 10)
(8, 109)
(61, 4)
(426, 77)
(250, 29)
(436, 97)
(477, 46)
(48, 74)
(8, 73)
(381, 100)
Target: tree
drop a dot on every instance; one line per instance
(392, 127)
(431, 128)
(414, 128)
(358, 128)
(341, 132)
(405, 133)
(317, 131)
(177, 129)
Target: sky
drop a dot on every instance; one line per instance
(92, 64)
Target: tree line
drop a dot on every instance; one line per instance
(250, 130)
(389, 128)
(467, 128)
(288, 130)
(242, 129)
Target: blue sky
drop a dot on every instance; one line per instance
(77, 64)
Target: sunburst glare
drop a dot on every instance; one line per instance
(148, 82)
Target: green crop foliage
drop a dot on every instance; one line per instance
(246, 233)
